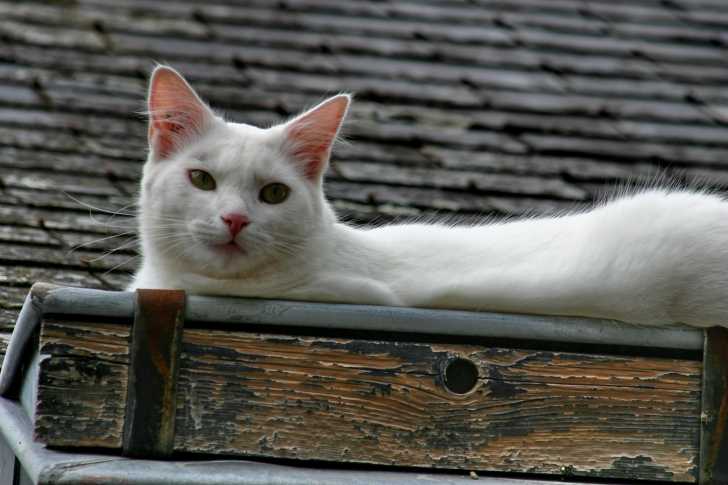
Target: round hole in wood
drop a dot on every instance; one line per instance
(461, 376)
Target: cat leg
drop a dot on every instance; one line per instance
(347, 289)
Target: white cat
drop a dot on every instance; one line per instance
(231, 209)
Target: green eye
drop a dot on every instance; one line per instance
(274, 193)
(201, 179)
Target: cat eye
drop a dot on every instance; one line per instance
(201, 179)
(274, 193)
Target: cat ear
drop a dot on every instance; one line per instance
(176, 114)
(310, 136)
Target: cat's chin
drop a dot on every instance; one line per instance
(225, 264)
(213, 260)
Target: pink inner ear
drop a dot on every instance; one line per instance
(312, 135)
(176, 113)
(162, 135)
(165, 135)
(312, 151)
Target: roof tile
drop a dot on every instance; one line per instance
(490, 107)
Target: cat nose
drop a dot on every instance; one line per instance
(235, 223)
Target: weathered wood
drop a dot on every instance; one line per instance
(381, 402)
(714, 417)
(386, 403)
(82, 384)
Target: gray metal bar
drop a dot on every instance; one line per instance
(7, 463)
(447, 322)
(21, 478)
(45, 467)
(25, 325)
(391, 319)
(85, 301)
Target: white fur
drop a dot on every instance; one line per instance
(655, 257)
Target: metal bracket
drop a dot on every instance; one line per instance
(151, 393)
(714, 414)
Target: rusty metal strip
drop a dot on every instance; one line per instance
(155, 347)
(714, 416)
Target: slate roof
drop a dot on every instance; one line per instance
(469, 107)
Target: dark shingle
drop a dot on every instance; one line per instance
(490, 107)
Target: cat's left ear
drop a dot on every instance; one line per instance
(176, 114)
(310, 136)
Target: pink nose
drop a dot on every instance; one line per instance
(235, 222)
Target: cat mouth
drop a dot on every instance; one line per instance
(230, 247)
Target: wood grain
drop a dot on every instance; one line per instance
(84, 368)
(385, 403)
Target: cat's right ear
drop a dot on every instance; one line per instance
(176, 114)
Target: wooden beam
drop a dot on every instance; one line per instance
(391, 403)
(714, 417)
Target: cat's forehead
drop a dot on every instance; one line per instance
(240, 149)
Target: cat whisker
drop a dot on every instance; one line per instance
(169, 219)
(282, 246)
(99, 209)
(174, 244)
(111, 251)
(131, 223)
(83, 245)
(116, 266)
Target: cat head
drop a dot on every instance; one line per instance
(223, 199)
